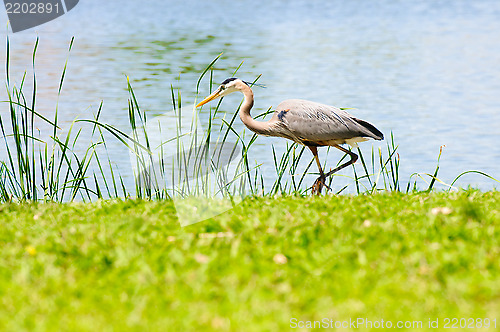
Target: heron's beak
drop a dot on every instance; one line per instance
(214, 95)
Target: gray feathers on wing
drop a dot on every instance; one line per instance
(318, 124)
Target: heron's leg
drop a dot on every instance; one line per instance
(320, 181)
(354, 157)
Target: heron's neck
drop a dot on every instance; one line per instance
(261, 128)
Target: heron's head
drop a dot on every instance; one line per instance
(229, 85)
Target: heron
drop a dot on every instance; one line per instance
(305, 122)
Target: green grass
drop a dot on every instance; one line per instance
(127, 265)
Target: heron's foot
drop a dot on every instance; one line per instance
(318, 185)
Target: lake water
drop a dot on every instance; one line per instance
(429, 71)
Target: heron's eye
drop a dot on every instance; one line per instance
(222, 88)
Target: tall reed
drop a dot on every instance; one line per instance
(35, 168)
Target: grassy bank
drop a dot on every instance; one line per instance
(127, 265)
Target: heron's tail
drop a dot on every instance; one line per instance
(371, 131)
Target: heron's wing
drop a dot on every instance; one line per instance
(315, 122)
